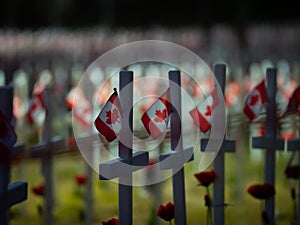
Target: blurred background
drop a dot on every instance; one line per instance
(53, 42)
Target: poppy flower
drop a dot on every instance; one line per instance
(205, 178)
(38, 190)
(80, 179)
(261, 191)
(292, 172)
(166, 212)
(113, 221)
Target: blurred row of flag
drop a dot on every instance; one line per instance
(155, 117)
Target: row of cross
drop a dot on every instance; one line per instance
(14, 193)
(178, 156)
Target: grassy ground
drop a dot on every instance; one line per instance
(240, 174)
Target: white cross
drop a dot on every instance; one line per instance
(218, 163)
(270, 142)
(128, 162)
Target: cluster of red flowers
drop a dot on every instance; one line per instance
(38, 190)
(205, 178)
(113, 221)
(261, 191)
(166, 212)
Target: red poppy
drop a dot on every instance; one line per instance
(205, 178)
(292, 172)
(166, 212)
(80, 179)
(261, 191)
(113, 221)
(38, 190)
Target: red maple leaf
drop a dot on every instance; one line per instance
(112, 116)
(160, 115)
(254, 99)
(208, 111)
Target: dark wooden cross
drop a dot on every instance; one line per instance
(10, 194)
(218, 163)
(128, 162)
(176, 159)
(270, 142)
(45, 151)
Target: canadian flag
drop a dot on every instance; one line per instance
(36, 112)
(203, 112)
(82, 110)
(156, 118)
(255, 101)
(294, 103)
(109, 120)
(8, 136)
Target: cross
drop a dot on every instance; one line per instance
(45, 151)
(218, 163)
(270, 142)
(176, 159)
(128, 162)
(293, 145)
(10, 194)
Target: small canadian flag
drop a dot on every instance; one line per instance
(36, 112)
(8, 136)
(255, 101)
(109, 120)
(156, 118)
(294, 103)
(82, 110)
(203, 112)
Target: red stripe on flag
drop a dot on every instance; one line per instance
(200, 120)
(248, 111)
(115, 101)
(105, 130)
(262, 90)
(84, 122)
(165, 99)
(151, 128)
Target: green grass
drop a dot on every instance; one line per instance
(241, 171)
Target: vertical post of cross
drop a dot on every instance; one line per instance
(47, 160)
(176, 145)
(6, 109)
(218, 164)
(271, 132)
(16, 192)
(125, 151)
(227, 146)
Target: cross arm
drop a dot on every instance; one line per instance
(118, 167)
(176, 159)
(17, 192)
(268, 142)
(293, 145)
(56, 143)
(227, 145)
